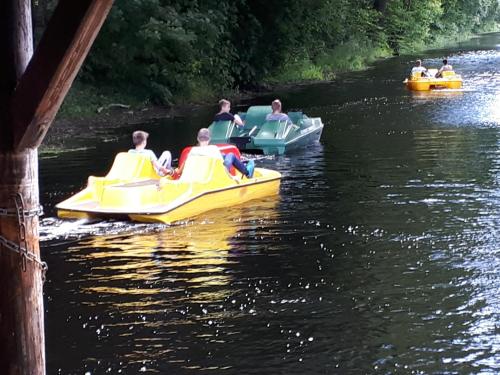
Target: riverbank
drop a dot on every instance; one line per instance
(86, 101)
(89, 106)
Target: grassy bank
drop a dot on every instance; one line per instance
(88, 100)
(348, 57)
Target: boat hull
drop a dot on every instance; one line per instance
(431, 84)
(204, 185)
(296, 140)
(269, 137)
(212, 201)
(449, 80)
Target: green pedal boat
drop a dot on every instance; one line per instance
(267, 137)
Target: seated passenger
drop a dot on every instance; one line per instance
(225, 115)
(163, 165)
(445, 68)
(277, 115)
(230, 160)
(418, 69)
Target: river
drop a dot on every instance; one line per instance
(381, 254)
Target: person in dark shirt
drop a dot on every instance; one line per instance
(225, 115)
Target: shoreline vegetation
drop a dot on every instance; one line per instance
(155, 56)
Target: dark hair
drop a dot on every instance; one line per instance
(445, 62)
(139, 136)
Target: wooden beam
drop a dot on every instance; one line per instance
(55, 64)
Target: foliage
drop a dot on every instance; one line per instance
(165, 51)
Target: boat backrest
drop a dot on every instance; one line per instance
(448, 73)
(198, 168)
(129, 166)
(295, 117)
(256, 116)
(273, 129)
(221, 129)
(431, 72)
(224, 149)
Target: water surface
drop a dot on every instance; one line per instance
(380, 255)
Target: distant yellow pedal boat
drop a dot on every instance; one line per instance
(133, 190)
(449, 80)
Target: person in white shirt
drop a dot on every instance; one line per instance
(163, 165)
(445, 68)
(418, 68)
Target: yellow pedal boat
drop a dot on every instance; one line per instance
(449, 80)
(133, 190)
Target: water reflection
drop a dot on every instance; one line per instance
(147, 286)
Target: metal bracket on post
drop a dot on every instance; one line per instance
(12, 212)
(18, 248)
(19, 202)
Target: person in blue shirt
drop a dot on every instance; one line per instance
(277, 115)
(163, 165)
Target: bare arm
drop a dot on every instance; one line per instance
(237, 120)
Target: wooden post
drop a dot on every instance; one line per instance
(21, 299)
(32, 89)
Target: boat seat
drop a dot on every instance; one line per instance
(273, 129)
(221, 129)
(448, 73)
(256, 116)
(198, 168)
(289, 129)
(128, 166)
(224, 149)
(295, 117)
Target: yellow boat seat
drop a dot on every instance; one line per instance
(128, 166)
(198, 168)
(417, 75)
(448, 73)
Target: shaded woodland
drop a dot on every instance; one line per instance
(164, 50)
